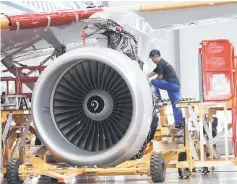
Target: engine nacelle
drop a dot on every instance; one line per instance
(93, 106)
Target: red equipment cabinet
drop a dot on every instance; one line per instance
(217, 70)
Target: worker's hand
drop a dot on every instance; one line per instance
(159, 76)
(151, 74)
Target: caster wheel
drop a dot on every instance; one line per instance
(183, 172)
(205, 170)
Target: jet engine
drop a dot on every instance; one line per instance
(93, 106)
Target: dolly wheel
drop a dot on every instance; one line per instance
(12, 174)
(157, 167)
(183, 172)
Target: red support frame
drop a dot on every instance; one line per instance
(20, 79)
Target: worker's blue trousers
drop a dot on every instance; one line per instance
(173, 91)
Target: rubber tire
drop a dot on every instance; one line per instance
(157, 167)
(182, 157)
(12, 174)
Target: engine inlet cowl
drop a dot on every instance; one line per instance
(93, 106)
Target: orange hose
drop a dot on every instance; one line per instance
(182, 5)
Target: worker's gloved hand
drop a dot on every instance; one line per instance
(159, 103)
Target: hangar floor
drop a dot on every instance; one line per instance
(220, 176)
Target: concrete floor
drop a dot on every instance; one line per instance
(220, 176)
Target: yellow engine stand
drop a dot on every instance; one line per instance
(14, 134)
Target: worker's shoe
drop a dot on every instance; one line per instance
(179, 125)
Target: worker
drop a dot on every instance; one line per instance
(3, 97)
(166, 80)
